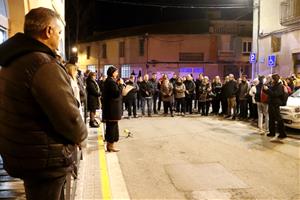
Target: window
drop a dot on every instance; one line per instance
(247, 47)
(289, 12)
(105, 69)
(121, 49)
(141, 47)
(104, 51)
(3, 10)
(88, 52)
(125, 71)
(3, 35)
(92, 68)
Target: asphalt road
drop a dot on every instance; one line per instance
(196, 157)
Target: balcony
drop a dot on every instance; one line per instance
(290, 12)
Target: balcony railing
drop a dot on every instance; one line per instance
(290, 12)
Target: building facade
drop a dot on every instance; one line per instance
(276, 37)
(224, 48)
(12, 16)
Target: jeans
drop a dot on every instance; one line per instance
(44, 188)
(147, 100)
(263, 116)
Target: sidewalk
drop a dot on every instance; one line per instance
(100, 176)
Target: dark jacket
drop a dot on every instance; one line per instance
(112, 100)
(190, 88)
(230, 89)
(275, 93)
(146, 89)
(39, 119)
(93, 94)
(258, 92)
(243, 91)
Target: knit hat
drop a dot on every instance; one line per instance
(111, 70)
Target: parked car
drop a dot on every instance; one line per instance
(291, 112)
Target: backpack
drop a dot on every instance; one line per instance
(285, 95)
(264, 98)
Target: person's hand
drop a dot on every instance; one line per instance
(121, 81)
(266, 87)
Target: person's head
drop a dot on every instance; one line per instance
(146, 77)
(275, 78)
(153, 76)
(112, 72)
(261, 79)
(205, 79)
(255, 81)
(72, 70)
(226, 79)
(174, 76)
(92, 75)
(132, 78)
(244, 78)
(201, 76)
(189, 77)
(179, 80)
(43, 24)
(231, 77)
(140, 79)
(217, 79)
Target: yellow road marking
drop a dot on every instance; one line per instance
(105, 184)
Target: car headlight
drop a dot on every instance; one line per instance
(297, 109)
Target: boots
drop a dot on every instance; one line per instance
(94, 124)
(110, 147)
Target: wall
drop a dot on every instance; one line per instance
(290, 41)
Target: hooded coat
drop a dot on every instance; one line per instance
(40, 121)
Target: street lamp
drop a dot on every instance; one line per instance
(74, 50)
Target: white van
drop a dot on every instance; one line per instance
(291, 112)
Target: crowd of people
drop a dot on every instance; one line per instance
(232, 98)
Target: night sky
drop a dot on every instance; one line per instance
(104, 15)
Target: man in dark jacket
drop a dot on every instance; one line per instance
(146, 90)
(154, 84)
(190, 89)
(275, 93)
(230, 91)
(40, 121)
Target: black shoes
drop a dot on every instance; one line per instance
(271, 135)
(281, 137)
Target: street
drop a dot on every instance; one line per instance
(196, 157)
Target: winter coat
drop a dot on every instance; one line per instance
(154, 84)
(93, 94)
(40, 122)
(230, 89)
(190, 88)
(179, 90)
(275, 92)
(216, 89)
(204, 92)
(112, 100)
(146, 89)
(167, 92)
(243, 91)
